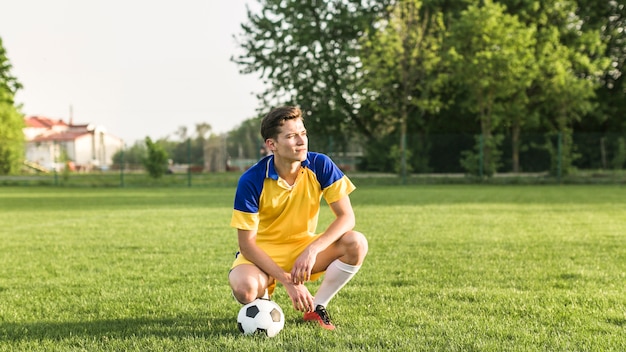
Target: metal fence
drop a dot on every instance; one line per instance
(433, 158)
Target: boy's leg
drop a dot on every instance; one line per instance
(337, 276)
(343, 260)
(248, 283)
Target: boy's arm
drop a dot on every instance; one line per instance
(299, 294)
(344, 222)
(249, 249)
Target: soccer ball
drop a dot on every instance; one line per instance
(261, 316)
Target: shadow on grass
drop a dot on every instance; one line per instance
(139, 327)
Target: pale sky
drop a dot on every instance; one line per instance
(136, 67)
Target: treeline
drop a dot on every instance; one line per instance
(392, 74)
(156, 156)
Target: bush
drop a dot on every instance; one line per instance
(156, 161)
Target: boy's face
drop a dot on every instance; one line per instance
(291, 144)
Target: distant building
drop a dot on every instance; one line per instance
(86, 147)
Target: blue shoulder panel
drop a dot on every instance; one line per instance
(250, 183)
(250, 186)
(324, 168)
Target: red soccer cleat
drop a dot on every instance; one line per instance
(321, 316)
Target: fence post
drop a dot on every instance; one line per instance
(122, 167)
(56, 163)
(189, 162)
(559, 155)
(331, 145)
(481, 156)
(403, 158)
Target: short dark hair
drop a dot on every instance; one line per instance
(271, 123)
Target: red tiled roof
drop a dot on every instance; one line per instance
(43, 122)
(61, 136)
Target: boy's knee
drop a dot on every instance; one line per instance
(356, 245)
(244, 287)
(244, 294)
(356, 239)
(362, 245)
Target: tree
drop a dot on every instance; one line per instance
(491, 55)
(571, 62)
(401, 63)
(11, 120)
(182, 133)
(203, 130)
(608, 115)
(244, 142)
(529, 66)
(135, 155)
(594, 35)
(198, 147)
(187, 150)
(308, 54)
(156, 160)
(568, 98)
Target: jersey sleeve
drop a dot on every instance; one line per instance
(244, 221)
(335, 185)
(338, 190)
(246, 208)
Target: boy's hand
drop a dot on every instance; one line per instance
(300, 297)
(301, 270)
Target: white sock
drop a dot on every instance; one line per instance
(337, 275)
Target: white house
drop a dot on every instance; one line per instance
(49, 142)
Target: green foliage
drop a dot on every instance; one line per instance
(396, 155)
(492, 57)
(11, 120)
(376, 68)
(64, 160)
(195, 154)
(419, 149)
(188, 149)
(562, 152)
(11, 138)
(156, 160)
(378, 156)
(308, 53)
(608, 19)
(9, 85)
(136, 154)
(474, 161)
(404, 52)
(570, 65)
(620, 154)
(245, 141)
(484, 268)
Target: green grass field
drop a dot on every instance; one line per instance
(450, 268)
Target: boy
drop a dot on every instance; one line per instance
(276, 211)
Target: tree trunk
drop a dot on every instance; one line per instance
(515, 143)
(486, 132)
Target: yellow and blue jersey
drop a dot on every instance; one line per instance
(283, 214)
